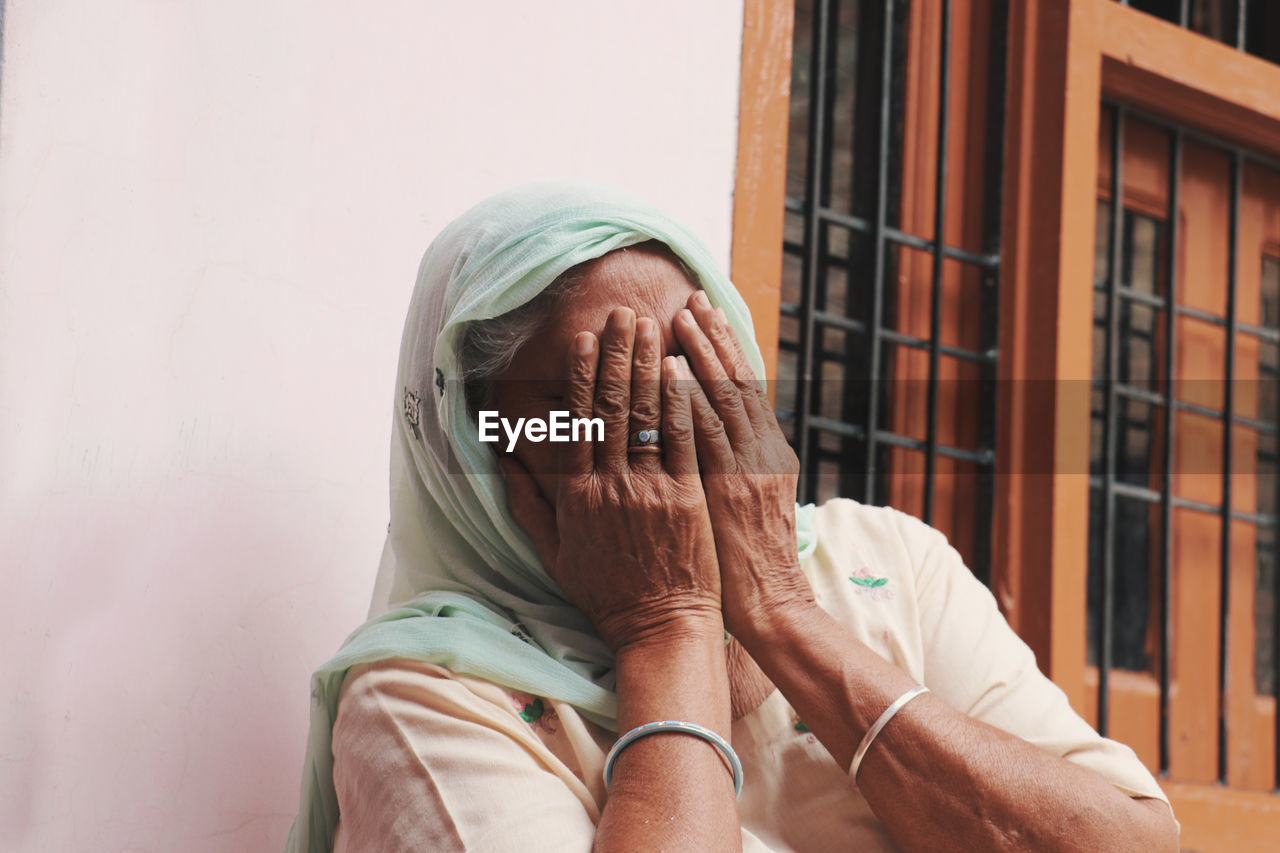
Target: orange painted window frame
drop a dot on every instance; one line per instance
(1064, 56)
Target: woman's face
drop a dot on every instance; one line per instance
(641, 278)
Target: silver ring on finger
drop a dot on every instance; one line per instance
(645, 441)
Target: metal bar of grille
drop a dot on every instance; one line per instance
(1224, 603)
(1109, 420)
(812, 267)
(978, 457)
(1143, 396)
(1275, 593)
(988, 357)
(982, 458)
(878, 253)
(1143, 493)
(1166, 482)
(1242, 17)
(825, 318)
(1262, 333)
(1259, 332)
(893, 235)
(836, 427)
(935, 284)
(1184, 13)
(1132, 295)
(989, 309)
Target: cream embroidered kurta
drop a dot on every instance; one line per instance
(428, 760)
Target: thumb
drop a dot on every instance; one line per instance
(531, 510)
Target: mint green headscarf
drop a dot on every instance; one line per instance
(460, 584)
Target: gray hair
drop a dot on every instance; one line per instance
(489, 346)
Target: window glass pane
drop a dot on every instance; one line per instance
(1138, 422)
(1135, 546)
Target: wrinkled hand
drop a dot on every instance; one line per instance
(749, 470)
(629, 540)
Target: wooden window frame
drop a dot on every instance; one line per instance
(1065, 56)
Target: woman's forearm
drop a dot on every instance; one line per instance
(937, 778)
(672, 791)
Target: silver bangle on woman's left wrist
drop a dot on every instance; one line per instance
(879, 724)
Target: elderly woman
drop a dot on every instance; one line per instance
(548, 664)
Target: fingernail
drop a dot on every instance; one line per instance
(670, 371)
(721, 316)
(701, 298)
(623, 317)
(644, 326)
(686, 316)
(584, 342)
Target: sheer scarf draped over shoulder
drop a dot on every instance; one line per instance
(459, 584)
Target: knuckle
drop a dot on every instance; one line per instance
(725, 391)
(579, 391)
(720, 332)
(611, 402)
(732, 404)
(581, 369)
(713, 428)
(579, 402)
(679, 430)
(644, 410)
(616, 353)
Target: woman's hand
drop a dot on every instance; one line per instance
(629, 540)
(749, 471)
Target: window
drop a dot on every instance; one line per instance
(891, 261)
(1183, 443)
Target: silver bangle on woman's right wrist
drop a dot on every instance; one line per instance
(735, 765)
(879, 724)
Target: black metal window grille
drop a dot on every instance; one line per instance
(1249, 25)
(1136, 392)
(838, 336)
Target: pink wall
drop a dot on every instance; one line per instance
(210, 219)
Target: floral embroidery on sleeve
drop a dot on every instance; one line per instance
(535, 712)
(799, 726)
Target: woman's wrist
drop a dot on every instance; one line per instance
(764, 590)
(664, 628)
(777, 618)
(676, 675)
(672, 782)
(658, 672)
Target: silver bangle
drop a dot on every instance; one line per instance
(735, 765)
(879, 724)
